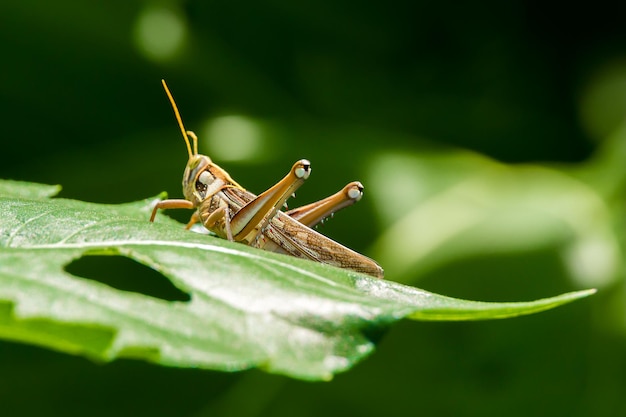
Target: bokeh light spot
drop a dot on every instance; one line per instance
(234, 138)
(592, 260)
(159, 33)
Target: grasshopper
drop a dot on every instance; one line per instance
(231, 212)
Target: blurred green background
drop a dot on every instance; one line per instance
(416, 99)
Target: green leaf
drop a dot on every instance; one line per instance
(247, 308)
(20, 189)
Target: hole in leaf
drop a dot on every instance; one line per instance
(125, 274)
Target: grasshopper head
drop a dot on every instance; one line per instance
(197, 178)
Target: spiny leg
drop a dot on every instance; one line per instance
(195, 218)
(171, 204)
(315, 213)
(222, 213)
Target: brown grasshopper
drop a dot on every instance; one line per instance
(231, 212)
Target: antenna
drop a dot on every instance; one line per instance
(180, 122)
